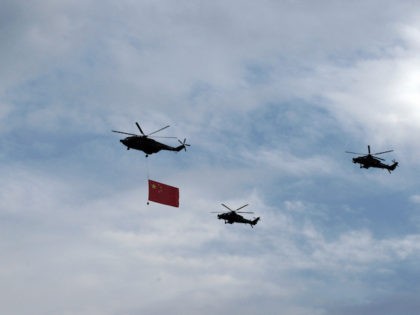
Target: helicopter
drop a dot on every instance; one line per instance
(144, 143)
(371, 160)
(233, 217)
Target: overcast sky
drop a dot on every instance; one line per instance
(270, 95)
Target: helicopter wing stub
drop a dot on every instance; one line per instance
(378, 158)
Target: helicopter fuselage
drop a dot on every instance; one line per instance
(370, 161)
(233, 217)
(147, 145)
(144, 143)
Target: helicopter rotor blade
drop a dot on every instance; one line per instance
(241, 208)
(244, 212)
(138, 126)
(382, 152)
(163, 137)
(125, 133)
(226, 207)
(158, 130)
(353, 152)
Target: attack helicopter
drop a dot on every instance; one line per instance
(148, 145)
(233, 217)
(371, 160)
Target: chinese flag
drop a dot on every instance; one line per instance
(164, 194)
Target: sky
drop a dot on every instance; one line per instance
(270, 95)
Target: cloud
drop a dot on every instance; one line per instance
(415, 199)
(389, 305)
(270, 95)
(115, 243)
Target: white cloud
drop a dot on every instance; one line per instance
(113, 244)
(286, 163)
(415, 198)
(244, 82)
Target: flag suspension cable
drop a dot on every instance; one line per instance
(147, 168)
(148, 176)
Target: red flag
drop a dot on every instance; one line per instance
(162, 193)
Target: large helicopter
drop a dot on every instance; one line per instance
(144, 142)
(371, 160)
(233, 217)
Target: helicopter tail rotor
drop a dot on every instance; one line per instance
(184, 145)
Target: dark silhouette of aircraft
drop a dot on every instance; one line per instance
(371, 160)
(233, 217)
(148, 145)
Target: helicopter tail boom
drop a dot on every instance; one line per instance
(392, 167)
(255, 221)
(179, 148)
